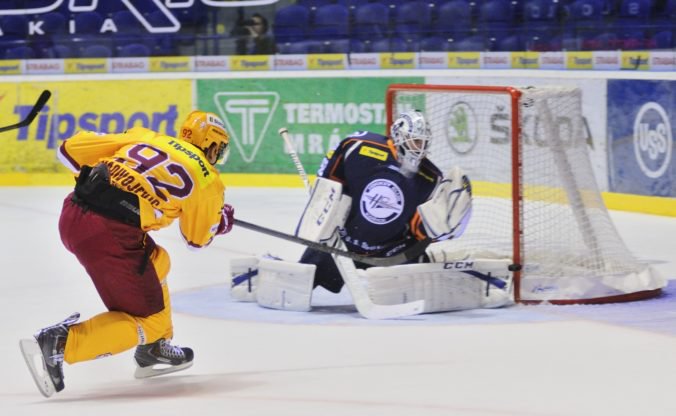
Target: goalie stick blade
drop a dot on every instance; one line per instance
(159, 370)
(32, 355)
(42, 100)
(373, 311)
(362, 300)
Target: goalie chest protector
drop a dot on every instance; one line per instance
(383, 199)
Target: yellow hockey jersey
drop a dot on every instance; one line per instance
(171, 177)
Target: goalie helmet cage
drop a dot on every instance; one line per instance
(536, 200)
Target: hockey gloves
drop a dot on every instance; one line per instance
(446, 214)
(227, 219)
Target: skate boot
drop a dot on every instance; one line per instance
(160, 358)
(44, 355)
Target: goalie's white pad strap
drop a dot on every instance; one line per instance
(285, 285)
(459, 285)
(326, 211)
(244, 278)
(446, 214)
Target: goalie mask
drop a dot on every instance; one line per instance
(204, 130)
(411, 135)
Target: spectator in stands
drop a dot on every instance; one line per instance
(253, 37)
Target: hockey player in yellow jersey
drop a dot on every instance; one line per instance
(128, 184)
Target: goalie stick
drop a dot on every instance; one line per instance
(348, 270)
(294, 156)
(42, 100)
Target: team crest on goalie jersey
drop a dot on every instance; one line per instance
(382, 201)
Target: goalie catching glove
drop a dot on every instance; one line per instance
(446, 214)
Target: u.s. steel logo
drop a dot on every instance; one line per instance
(652, 139)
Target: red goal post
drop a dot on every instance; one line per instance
(536, 200)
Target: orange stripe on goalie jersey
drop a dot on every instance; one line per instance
(416, 227)
(347, 143)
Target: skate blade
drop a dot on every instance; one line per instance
(147, 372)
(32, 355)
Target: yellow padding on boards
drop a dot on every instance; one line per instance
(639, 203)
(621, 202)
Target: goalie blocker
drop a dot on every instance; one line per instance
(449, 286)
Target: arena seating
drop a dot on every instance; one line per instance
(331, 21)
(371, 22)
(291, 23)
(346, 26)
(500, 25)
(412, 20)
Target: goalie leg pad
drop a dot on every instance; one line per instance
(244, 278)
(285, 285)
(453, 286)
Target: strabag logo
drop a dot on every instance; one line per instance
(461, 128)
(652, 139)
(247, 117)
(381, 202)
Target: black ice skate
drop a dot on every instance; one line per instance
(44, 355)
(160, 358)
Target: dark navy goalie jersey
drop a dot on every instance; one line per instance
(383, 219)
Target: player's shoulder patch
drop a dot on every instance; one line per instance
(370, 151)
(369, 144)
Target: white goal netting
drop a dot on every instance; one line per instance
(536, 200)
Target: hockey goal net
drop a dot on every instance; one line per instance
(536, 201)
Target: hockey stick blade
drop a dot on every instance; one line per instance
(42, 100)
(412, 252)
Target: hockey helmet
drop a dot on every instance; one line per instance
(204, 129)
(411, 135)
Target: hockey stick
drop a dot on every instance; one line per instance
(412, 252)
(42, 100)
(348, 270)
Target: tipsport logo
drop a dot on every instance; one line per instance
(164, 12)
(247, 117)
(653, 139)
(52, 126)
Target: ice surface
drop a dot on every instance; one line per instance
(527, 361)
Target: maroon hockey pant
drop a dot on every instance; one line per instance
(116, 257)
